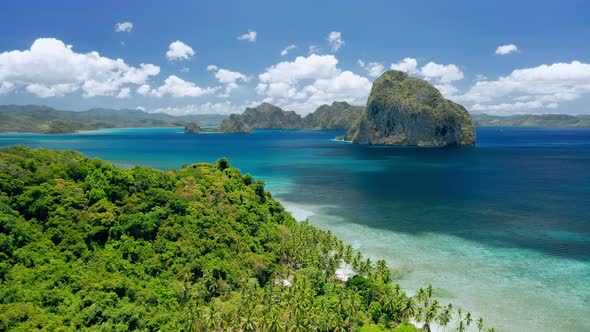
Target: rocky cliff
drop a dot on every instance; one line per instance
(407, 111)
(192, 128)
(268, 116)
(338, 116)
(234, 124)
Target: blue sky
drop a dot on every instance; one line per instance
(452, 44)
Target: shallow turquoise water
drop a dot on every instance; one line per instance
(503, 227)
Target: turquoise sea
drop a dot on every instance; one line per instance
(501, 229)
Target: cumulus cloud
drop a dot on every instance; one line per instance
(124, 93)
(176, 87)
(6, 87)
(532, 88)
(51, 68)
(286, 50)
(179, 51)
(307, 82)
(441, 73)
(206, 108)
(227, 77)
(123, 27)
(409, 65)
(311, 67)
(373, 69)
(335, 41)
(250, 36)
(441, 76)
(506, 49)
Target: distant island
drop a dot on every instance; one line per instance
(338, 116)
(47, 120)
(532, 120)
(409, 111)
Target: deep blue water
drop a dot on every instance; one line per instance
(520, 197)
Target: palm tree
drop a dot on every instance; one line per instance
(356, 261)
(275, 324)
(348, 254)
(389, 303)
(468, 319)
(429, 291)
(408, 309)
(480, 324)
(430, 315)
(460, 313)
(382, 272)
(248, 323)
(445, 316)
(461, 326)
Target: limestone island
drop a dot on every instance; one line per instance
(408, 111)
(192, 128)
(338, 116)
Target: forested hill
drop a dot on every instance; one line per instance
(88, 246)
(532, 120)
(44, 119)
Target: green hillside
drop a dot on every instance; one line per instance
(43, 119)
(88, 246)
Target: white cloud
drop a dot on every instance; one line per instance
(6, 87)
(143, 90)
(206, 108)
(124, 93)
(314, 49)
(373, 69)
(307, 82)
(511, 108)
(55, 90)
(409, 65)
(441, 76)
(441, 73)
(447, 90)
(51, 68)
(140, 108)
(481, 77)
(179, 51)
(227, 77)
(176, 87)
(250, 36)
(124, 27)
(311, 67)
(185, 69)
(538, 87)
(506, 49)
(286, 50)
(335, 41)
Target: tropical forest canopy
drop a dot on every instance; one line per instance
(85, 245)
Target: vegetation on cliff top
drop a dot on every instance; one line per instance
(85, 245)
(234, 124)
(338, 116)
